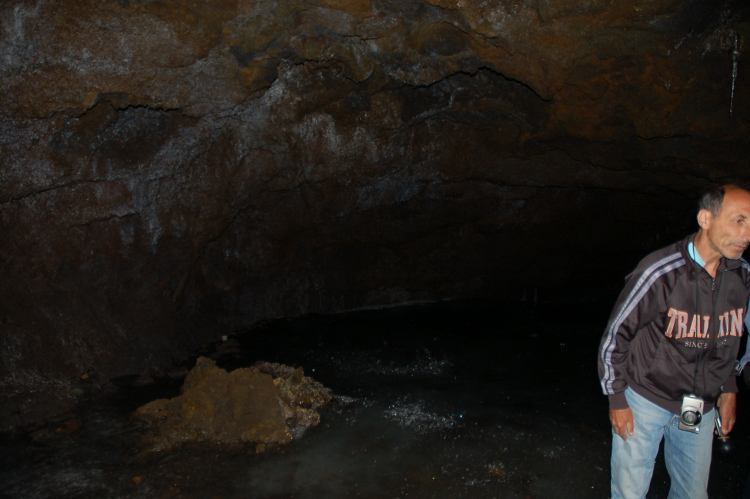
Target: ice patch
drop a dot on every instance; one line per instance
(413, 415)
(424, 365)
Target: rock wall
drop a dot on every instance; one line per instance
(173, 169)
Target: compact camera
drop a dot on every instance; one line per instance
(691, 413)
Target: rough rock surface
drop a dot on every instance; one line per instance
(266, 404)
(173, 170)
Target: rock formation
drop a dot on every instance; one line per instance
(173, 170)
(265, 404)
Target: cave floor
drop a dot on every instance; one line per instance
(462, 399)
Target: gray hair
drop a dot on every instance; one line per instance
(712, 200)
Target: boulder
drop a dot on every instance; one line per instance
(265, 404)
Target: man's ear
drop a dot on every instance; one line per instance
(704, 219)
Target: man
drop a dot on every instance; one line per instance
(675, 331)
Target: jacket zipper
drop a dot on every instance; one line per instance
(712, 338)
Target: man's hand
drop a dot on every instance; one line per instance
(622, 422)
(727, 406)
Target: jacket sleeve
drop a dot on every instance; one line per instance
(746, 357)
(636, 307)
(731, 385)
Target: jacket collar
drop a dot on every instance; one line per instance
(724, 264)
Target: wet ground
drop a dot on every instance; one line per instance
(468, 399)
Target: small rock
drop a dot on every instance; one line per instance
(497, 470)
(69, 426)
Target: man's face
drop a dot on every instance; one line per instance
(729, 232)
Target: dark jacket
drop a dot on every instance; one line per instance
(672, 317)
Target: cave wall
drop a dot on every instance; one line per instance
(172, 170)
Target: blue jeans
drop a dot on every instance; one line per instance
(687, 454)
